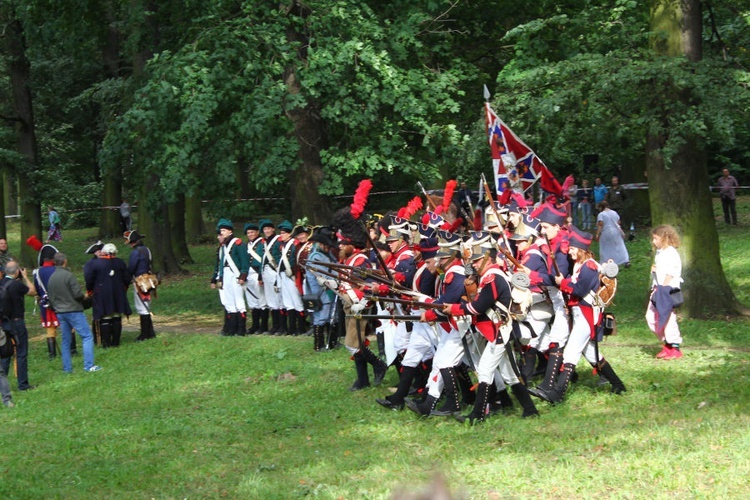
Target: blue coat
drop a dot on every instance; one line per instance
(108, 279)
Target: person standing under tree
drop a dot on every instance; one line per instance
(126, 220)
(666, 275)
(140, 263)
(55, 227)
(66, 298)
(728, 191)
(17, 286)
(5, 255)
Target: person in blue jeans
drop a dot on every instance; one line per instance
(66, 297)
(17, 286)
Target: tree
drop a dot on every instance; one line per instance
(591, 78)
(19, 71)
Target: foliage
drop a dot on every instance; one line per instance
(583, 79)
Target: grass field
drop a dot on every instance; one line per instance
(195, 415)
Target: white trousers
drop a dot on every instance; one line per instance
(271, 290)
(254, 293)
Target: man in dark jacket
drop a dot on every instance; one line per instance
(66, 297)
(17, 287)
(139, 263)
(107, 279)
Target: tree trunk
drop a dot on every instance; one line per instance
(310, 131)
(194, 227)
(177, 233)
(10, 191)
(20, 69)
(679, 195)
(3, 223)
(158, 230)
(109, 222)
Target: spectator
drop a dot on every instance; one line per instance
(126, 220)
(615, 196)
(55, 227)
(573, 197)
(66, 297)
(17, 287)
(584, 195)
(727, 190)
(611, 237)
(600, 191)
(5, 255)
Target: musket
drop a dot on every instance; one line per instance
(394, 317)
(488, 193)
(413, 303)
(348, 279)
(365, 273)
(433, 207)
(381, 262)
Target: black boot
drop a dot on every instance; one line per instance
(264, 314)
(521, 393)
(116, 331)
(541, 364)
(422, 376)
(554, 363)
(333, 336)
(606, 371)
(224, 329)
(283, 324)
(527, 364)
(318, 338)
(303, 327)
(380, 337)
(105, 332)
(502, 402)
(52, 347)
(150, 324)
(255, 326)
(379, 368)
(73, 348)
(479, 412)
(232, 325)
(363, 379)
(465, 383)
(451, 406)
(241, 323)
(425, 408)
(556, 394)
(293, 319)
(396, 400)
(276, 320)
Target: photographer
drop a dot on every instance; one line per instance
(17, 286)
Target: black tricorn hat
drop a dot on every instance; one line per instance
(132, 236)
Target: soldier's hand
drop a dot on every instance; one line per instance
(213, 286)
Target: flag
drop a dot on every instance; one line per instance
(512, 160)
(550, 184)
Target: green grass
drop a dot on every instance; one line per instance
(191, 415)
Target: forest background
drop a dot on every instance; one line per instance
(186, 107)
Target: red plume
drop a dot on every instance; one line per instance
(411, 208)
(360, 197)
(456, 224)
(477, 219)
(450, 187)
(34, 242)
(505, 197)
(569, 180)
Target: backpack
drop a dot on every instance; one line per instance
(4, 302)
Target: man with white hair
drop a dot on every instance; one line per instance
(107, 279)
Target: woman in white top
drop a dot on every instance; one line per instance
(666, 271)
